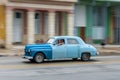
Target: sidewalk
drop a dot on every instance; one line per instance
(15, 51)
(106, 50)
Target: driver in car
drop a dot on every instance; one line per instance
(60, 42)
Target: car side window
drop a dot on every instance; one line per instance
(60, 41)
(72, 41)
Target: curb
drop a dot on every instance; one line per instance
(109, 54)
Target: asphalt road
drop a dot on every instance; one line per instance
(99, 68)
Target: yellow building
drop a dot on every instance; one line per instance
(2, 25)
(26, 21)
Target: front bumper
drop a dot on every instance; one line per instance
(27, 57)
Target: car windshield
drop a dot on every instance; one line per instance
(50, 41)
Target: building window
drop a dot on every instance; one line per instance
(99, 22)
(18, 15)
(37, 23)
(46, 23)
(99, 16)
(37, 16)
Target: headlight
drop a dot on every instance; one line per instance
(28, 50)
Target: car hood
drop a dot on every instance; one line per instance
(30, 46)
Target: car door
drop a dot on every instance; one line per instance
(59, 50)
(72, 48)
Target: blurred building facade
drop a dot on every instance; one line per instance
(98, 20)
(30, 21)
(27, 21)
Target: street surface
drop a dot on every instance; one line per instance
(99, 68)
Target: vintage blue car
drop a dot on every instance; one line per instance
(60, 47)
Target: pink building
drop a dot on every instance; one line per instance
(27, 21)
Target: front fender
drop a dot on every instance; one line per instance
(46, 51)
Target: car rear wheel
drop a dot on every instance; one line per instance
(85, 57)
(39, 58)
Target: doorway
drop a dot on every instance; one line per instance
(17, 26)
(82, 33)
(116, 25)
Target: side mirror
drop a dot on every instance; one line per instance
(54, 43)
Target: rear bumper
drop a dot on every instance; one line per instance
(98, 53)
(27, 57)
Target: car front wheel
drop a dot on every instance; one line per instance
(39, 58)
